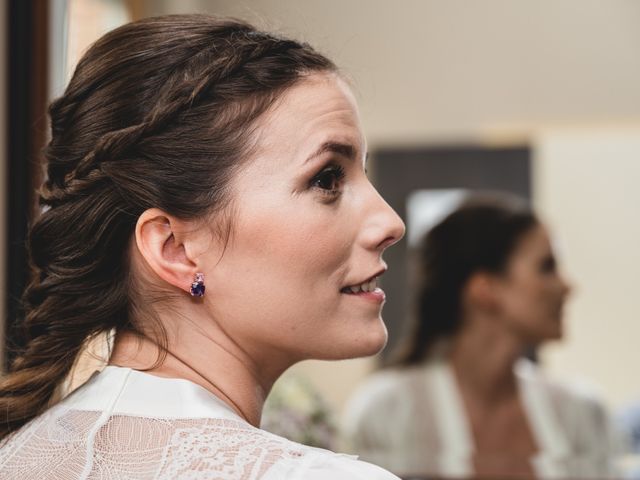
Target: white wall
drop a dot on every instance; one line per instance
(587, 187)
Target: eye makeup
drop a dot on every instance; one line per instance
(328, 181)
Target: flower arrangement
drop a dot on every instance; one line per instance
(297, 411)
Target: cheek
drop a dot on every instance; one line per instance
(527, 298)
(292, 248)
(282, 270)
(543, 292)
(537, 302)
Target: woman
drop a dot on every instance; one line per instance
(462, 398)
(207, 202)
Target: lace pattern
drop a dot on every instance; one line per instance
(61, 446)
(124, 424)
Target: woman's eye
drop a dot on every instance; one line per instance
(548, 265)
(329, 179)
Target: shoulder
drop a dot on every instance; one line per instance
(385, 412)
(341, 467)
(380, 399)
(170, 449)
(228, 447)
(579, 396)
(577, 407)
(384, 390)
(298, 461)
(280, 458)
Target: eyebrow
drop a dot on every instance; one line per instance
(344, 149)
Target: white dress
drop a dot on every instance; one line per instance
(126, 424)
(413, 421)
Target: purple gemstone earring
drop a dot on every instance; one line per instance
(197, 287)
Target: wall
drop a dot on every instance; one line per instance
(587, 189)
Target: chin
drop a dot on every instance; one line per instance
(556, 332)
(559, 335)
(359, 343)
(545, 337)
(373, 343)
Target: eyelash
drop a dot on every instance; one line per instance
(336, 172)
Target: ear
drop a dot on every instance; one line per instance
(162, 242)
(481, 290)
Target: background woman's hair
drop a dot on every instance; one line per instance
(480, 235)
(159, 113)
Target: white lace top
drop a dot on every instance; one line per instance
(127, 424)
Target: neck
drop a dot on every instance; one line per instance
(206, 357)
(483, 356)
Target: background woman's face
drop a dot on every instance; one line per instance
(533, 292)
(306, 224)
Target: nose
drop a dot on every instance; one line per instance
(567, 286)
(383, 226)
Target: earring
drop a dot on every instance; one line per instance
(197, 287)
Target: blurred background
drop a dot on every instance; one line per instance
(541, 99)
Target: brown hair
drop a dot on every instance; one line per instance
(480, 235)
(158, 114)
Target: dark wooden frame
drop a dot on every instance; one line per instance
(27, 133)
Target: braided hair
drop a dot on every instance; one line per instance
(159, 113)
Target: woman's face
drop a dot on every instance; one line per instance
(306, 226)
(533, 292)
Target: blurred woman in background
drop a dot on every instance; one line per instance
(462, 398)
